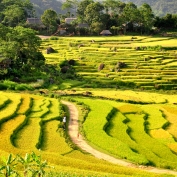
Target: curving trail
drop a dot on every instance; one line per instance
(80, 142)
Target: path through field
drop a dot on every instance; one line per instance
(80, 142)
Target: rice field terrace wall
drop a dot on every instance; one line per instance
(136, 62)
(142, 133)
(33, 123)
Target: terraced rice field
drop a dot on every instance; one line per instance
(150, 61)
(142, 133)
(31, 122)
(136, 125)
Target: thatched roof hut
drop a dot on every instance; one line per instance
(34, 21)
(106, 32)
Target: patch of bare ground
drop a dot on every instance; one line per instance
(73, 130)
(44, 37)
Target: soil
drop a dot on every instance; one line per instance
(78, 139)
(44, 37)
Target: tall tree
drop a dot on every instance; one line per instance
(147, 17)
(93, 13)
(21, 45)
(49, 19)
(13, 15)
(81, 9)
(130, 15)
(67, 5)
(14, 12)
(113, 7)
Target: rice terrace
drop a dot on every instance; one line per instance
(124, 89)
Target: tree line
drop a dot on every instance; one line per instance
(114, 15)
(117, 16)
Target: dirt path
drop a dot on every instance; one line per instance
(80, 142)
(44, 37)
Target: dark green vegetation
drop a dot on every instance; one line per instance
(13, 13)
(19, 52)
(160, 7)
(41, 5)
(117, 16)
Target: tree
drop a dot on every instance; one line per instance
(130, 15)
(97, 27)
(147, 17)
(21, 45)
(13, 15)
(14, 12)
(93, 13)
(81, 9)
(49, 19)
(67, 5)
(113, 6)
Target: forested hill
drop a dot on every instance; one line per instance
(41, 5)
(159, 7)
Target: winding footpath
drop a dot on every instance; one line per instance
(81, 143)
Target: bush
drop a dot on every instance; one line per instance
(53, 38)
(23, 87)
(71, 62)
(10, 85)
(3, 86)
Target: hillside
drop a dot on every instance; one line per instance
(160, 7)
(41, 5)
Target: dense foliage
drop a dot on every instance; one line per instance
(42, 5)
(14, 13)
(21, 46)
(159, 7)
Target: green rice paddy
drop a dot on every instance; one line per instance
(124, 118)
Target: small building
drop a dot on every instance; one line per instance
(105, 33)
(34, 21)
(69, 20)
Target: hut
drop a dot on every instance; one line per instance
(69, 20)
(105, 33)
(34, 21)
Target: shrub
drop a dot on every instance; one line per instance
(53, 38)
(10, 84)
(23, 87)
(64, 69)
(71, 62)
(3, 86)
